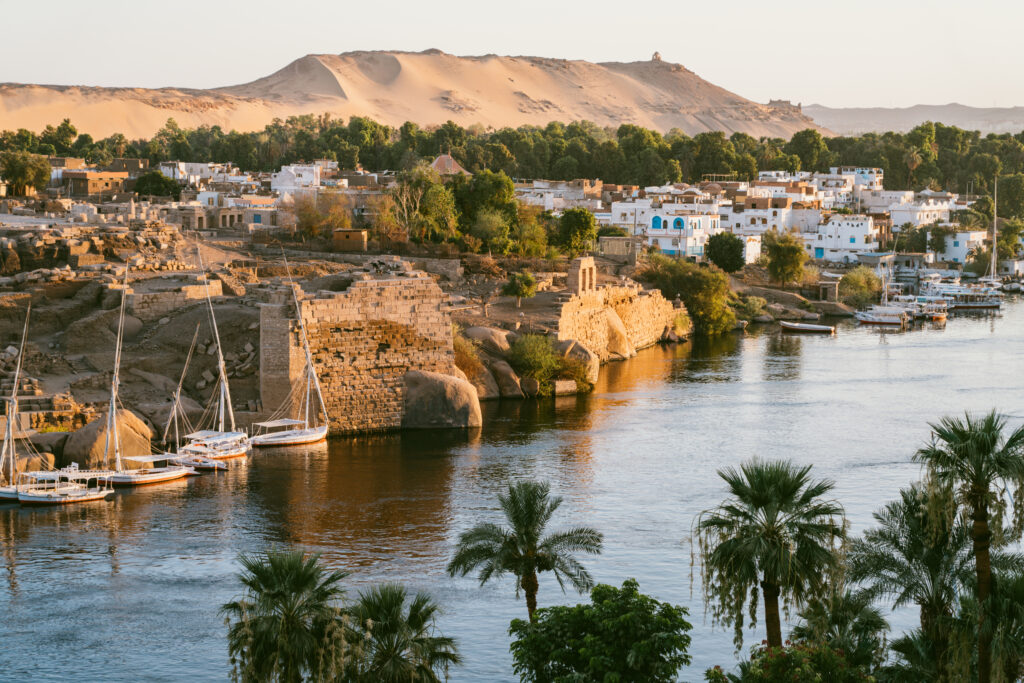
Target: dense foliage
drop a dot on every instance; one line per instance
(24, 170)
(725, 250)
(860, 287)
(157, 184)
(577, 230)
(520, 285)
(799, 662)
(622, 635)
(703, 289)
(786, 256)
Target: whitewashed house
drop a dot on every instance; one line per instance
(681, 235)
(296, 178)
(920, 212)
(842, 238)
(963, 243)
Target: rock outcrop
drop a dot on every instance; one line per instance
(490, 339)
(86, 445)
(508, 381)
(433, 400)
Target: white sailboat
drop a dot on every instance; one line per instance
(155, 473)
(9, 454)
(177, 419)
(225, 441)
(992, 279)
(290, 431)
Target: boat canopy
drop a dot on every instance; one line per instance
(284, 422)
(69, 474)
(147, 458)
(212, 436)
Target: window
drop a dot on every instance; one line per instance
(956, 243)
(656, 223)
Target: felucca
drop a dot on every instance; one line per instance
(225, 441)
(177, 419)
(9, 453)
(144, 476)
(290, 431)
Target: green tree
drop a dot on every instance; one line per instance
(23, 171)
(976, 459)
(1011, 196)
(704, 291)
(399, 637)
(847, 622)
(577, 230)
(777, 533)
(916, 558)
(520, 285)
(800, 662)
(725, 250)
(491, 228)
(156, 184)
(523, 548)
(622, 635)
(860, 286)
(810, 146)
(786, 256)
(286, 626)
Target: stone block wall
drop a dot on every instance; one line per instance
(363, 340)
(153, 305)
(597, 318)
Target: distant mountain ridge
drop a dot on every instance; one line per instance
(859, 120)
(427, 87)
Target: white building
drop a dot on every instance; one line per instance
(842, 238)
(296, 177)
(921, 212)
(879, 201)
(963, 243)
(685, 235)
(867, 177)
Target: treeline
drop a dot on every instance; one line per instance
(931, 155)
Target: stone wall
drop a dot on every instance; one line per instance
(153, 305)
(614, 321)
(363, 341)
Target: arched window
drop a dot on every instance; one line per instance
(656, 223)
(678, 224)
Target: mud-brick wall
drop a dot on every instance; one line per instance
(153, 305)
(584, 318)
(363, 341)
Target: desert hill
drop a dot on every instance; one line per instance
(858, 120)
(428, 87)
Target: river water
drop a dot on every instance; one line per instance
(129, 590)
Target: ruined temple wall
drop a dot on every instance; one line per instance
(153, 305)
(593, 318)
(363, 341)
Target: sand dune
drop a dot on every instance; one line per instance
(428, 87)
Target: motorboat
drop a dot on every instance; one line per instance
(889, 316)
(64, 487)
(923, 307)
(806, 328)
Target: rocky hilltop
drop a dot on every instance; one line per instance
(860, 120)
(428, 87)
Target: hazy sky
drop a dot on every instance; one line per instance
(863, 53)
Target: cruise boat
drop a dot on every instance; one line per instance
(122, 476)
(923, 307)
(9, 453)
(888, 316)
(224, 441)
(296, 432)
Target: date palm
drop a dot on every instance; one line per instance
(916, 558)
(286, 627)
(846, 621)
(523, 549)
(777, 533)
(976, 459)
(400, 641)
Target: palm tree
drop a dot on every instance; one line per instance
(848, 622)
(286, 626)
(778, 533)
(522, 549)
(978, 462)
(915, 558)
(912, 158)
(400, 640)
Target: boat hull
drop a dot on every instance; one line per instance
(290, 437)
(148, 477)
(804, 328)
(39, 498)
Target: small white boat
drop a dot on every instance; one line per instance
(1012, 287)
(196, 462)
(806, 328)
(171, 470)
(889, 316)
(69, 485)
(288, 437)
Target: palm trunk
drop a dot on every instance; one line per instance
(983, 568)
(771, 613)
(530, 586)
(930, 626)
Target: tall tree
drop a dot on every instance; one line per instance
(524, 548)
(777, 532)
(976, 459)
(786, 256)
(286, 627)
(399, 637)
(23, 171)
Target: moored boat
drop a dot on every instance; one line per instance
(887, 316)
(806, 328)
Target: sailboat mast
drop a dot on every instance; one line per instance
(305, 345)
(225, 392)
(12, 405)
(112, 434)
(995, 228)
(176, 406)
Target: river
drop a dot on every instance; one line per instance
(130, 590)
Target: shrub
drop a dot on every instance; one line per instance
(612, 231)
(786, 256)
(860, 287)
(622, 635)
(682, 324)
(534, 355)
(751, 307)
(467, 358)
(575, 369)
(799, 662)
